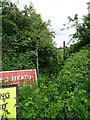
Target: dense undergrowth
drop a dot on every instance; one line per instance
(64, 97)
(62, 89)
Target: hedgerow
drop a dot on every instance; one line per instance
(64, 97)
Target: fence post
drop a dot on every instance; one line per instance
(63, 50)
(37, 62)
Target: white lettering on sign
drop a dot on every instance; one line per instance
(17, 78)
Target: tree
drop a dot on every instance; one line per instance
(82, 32)
(82, 29)
(23, 36)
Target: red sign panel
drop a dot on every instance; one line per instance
(15, 77)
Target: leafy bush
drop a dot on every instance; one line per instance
(74, 85)
(24, 34)
(76, 48)
(64, 97)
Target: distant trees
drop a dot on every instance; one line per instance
(82, 32)
(82, 29)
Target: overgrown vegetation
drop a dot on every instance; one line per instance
(61, 92)
(24, 36)
(81, 35)
(63, 98)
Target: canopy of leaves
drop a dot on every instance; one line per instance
(82, 31)
(25, 35)
(81, 36)
(82, 28)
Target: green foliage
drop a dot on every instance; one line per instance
(25, 34)
(64, 97)
(82, 29)
(75, 85)
(81, 34)
(22, 61)
(76, 48)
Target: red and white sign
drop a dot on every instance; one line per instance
(16, 76)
